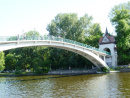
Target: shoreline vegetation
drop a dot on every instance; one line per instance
(56, 72)
(64, 72)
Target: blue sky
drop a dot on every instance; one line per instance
(18, 16)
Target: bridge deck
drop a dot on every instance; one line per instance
(10, 39)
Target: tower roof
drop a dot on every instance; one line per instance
(106, 33)
(107, 38)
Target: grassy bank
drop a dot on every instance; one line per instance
(21, 74)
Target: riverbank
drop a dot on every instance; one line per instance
(124, 70)
(64, 72)
(56, 72)
(13, 74)
(72, 72)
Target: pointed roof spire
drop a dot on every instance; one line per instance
(106, 33)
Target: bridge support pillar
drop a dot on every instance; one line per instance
(104, 58)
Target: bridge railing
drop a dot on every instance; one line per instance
(17, 38)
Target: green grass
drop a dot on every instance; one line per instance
(5, 73)
(13, 73)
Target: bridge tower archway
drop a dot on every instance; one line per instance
(107, 49)
(108, 43)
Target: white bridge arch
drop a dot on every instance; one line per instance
(91, 53)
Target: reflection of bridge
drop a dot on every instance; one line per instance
(96, 56)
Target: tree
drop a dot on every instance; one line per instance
(95, 34)
(31, 57)
(25, 55)
(68, 25)
(10, 62)
(2, 61)
(32, 35)
(120, 18)
(95, 30)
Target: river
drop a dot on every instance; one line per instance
(112, 85)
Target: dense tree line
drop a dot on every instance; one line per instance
(69, 26)
(41, 59)
(120, 18)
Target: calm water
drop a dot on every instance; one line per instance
(114, 85)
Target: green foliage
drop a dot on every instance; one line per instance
(35, 58)
(120, 18)
(40, 67)
(31, 69)
(32, 34)
(118, 68)
(68, 25)
(12, 38)
(18, 71)
(93, 40)
(94, 35)
(129, 66)
(104, 69)
(10, 62)
(38, 70)
(2, 61)
(95, 30)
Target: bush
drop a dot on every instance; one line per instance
(41, 70)
(104, 69)
(45, 69)
(118, 68)
(18, 71)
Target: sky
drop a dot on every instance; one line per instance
(19, 16)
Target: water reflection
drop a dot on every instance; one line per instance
(97, 86)
(104, 86)
(124, 85)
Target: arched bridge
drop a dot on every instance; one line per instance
(96, 56)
